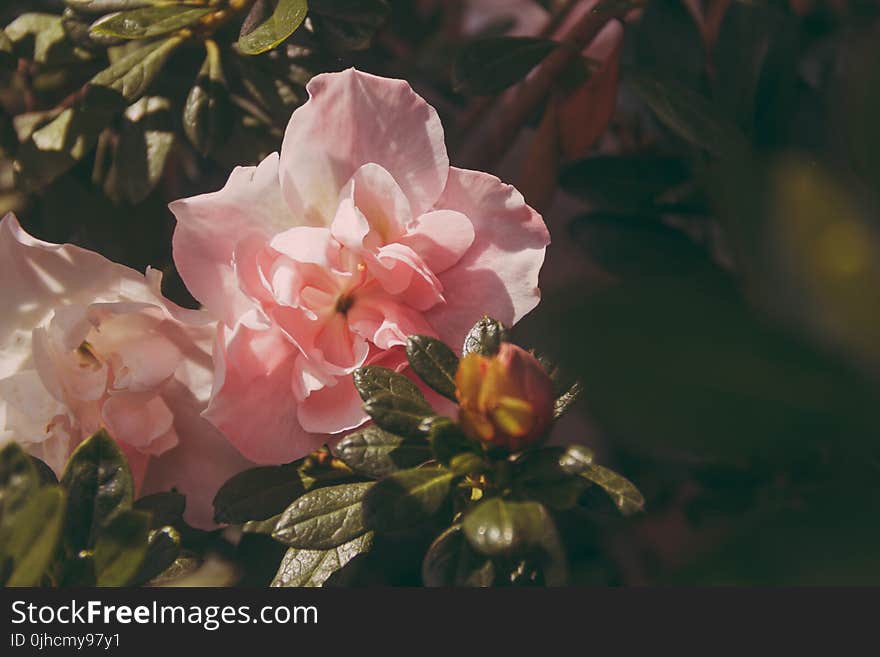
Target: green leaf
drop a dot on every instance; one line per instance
(321, 519)
(626, 183)
(30, 542)
(346, 25)
(377, 453)
(690, 115)
(165, 508)
(18, 481)
(537, 475)
(207, 114)
(450, 561)
(566, 400)
(394, 402)
(499, 528)
(163, 548)
(132, 74)
(259, 493)
(99, 486)
(51, 46)
(106, 6)
(7, 54)
(489, 65)
(407, 498)
(311, 568)
(149, 22)
(369, 12)
(485, 337)
(283, 22)
(579, 460)
(146, 137)
(434, 362)
(448, 441)
(630, 246)
(121, 548)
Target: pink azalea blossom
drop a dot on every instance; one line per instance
(87, 344)
(325, 257)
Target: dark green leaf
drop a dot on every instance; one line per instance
(283, 22)
(623, 182)
(162, 551)
(566, 400)
(7, 54)
(121, 548)
(538, 475)
(488, 66)
(434, 362)
(407, 498)
(485, 337)
(447, 440)
(164, 508)
(321, 519)
(18, 481)
(146, 136)
(259, 493)
(450, 561)
(207, 114)
(377, 453)
(149, 22)
(631, 246)
(690, 115)
(98, 484)
(369, 12)
(32, 538)
(132, 74)
(579, 460)
(309, 568)
(499, 528)
(106, 6)
(394, 402)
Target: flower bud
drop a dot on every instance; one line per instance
(505, 400)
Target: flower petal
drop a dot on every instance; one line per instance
(498, 275)
(351, 119)
(440, 238)
(210, 226)
(253, 402)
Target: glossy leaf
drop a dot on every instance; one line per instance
(538, 475)
(407, 498)
(321, 519)
(500, 528)
(434, 362)
(99, 486)
(447, 440)
(149, 22)
(283, 22)
(107, 6)
(377, 453)
(489, 65)
(311, 568)
(121, 548)
(259, 493)
(485, 337)
(566, 400)
(132, 74)
(207, 113)
(627, 498)
(394, 402)
(163, 548)
(450, 561)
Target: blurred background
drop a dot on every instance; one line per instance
(709, 171)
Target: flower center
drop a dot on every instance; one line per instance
(344, 303)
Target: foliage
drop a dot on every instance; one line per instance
(414, 471)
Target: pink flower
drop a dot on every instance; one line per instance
(325, 258)
(87, 344)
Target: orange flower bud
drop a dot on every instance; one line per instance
(506, 400)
